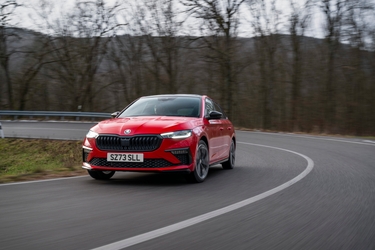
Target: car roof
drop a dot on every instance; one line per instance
(175, 95)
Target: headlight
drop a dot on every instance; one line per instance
(92, 134)
(177, 134)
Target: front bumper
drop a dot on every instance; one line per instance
(172, 155)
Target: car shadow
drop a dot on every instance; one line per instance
(155, 179)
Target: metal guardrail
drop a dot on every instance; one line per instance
(47, 114)
(1, 132)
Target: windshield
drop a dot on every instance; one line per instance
(164, 106)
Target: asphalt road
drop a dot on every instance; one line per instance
(46, 130)
(286, 192)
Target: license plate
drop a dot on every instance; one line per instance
(122, 157)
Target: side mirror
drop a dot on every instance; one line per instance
(114, 114)
(215, 115)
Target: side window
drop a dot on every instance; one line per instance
(208, 107)
(218, 108)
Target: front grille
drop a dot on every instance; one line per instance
(128, 143)
(148, 163)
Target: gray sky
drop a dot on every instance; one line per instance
(27, 16)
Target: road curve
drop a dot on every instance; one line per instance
(331, 207)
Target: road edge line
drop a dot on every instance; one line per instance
(195, 220)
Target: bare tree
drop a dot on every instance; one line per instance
(265, 23)
(127, 54)
(36, 57)
(7, 9)
(355, 100)
(80, 46)
(298, 22)
(371, 81)
(219, 26)
(334, 11)
(130, 58)
(161, 32)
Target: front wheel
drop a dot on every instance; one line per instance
(229, 164)
(101, 175)
(201, 164)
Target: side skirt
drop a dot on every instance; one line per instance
(218, 162)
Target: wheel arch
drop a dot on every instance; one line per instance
(204, 138)
(235, 140)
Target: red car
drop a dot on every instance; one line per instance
(162, 133)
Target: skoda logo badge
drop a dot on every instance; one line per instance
(127, 131)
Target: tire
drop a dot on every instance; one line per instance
(101, 175)
(229, 164)
(202, 164)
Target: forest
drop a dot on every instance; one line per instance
(99, 57)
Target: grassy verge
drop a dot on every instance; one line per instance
(31, 159)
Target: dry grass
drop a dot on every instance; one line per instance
(30, 159)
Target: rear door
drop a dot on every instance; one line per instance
(226, 130)
(213, 131)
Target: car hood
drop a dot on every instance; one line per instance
(145, 125)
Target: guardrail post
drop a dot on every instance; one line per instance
(1, 131)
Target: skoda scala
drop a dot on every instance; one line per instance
(162, 133)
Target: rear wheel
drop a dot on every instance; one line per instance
(101, 175)
(229, 164)
(201, 164)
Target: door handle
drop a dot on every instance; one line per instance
(221, 128)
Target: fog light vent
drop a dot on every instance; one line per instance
(180, 151)
(85, 154)
(183, 154)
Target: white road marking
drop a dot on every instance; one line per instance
(364, 142)
(190, 222)
(37, 181)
